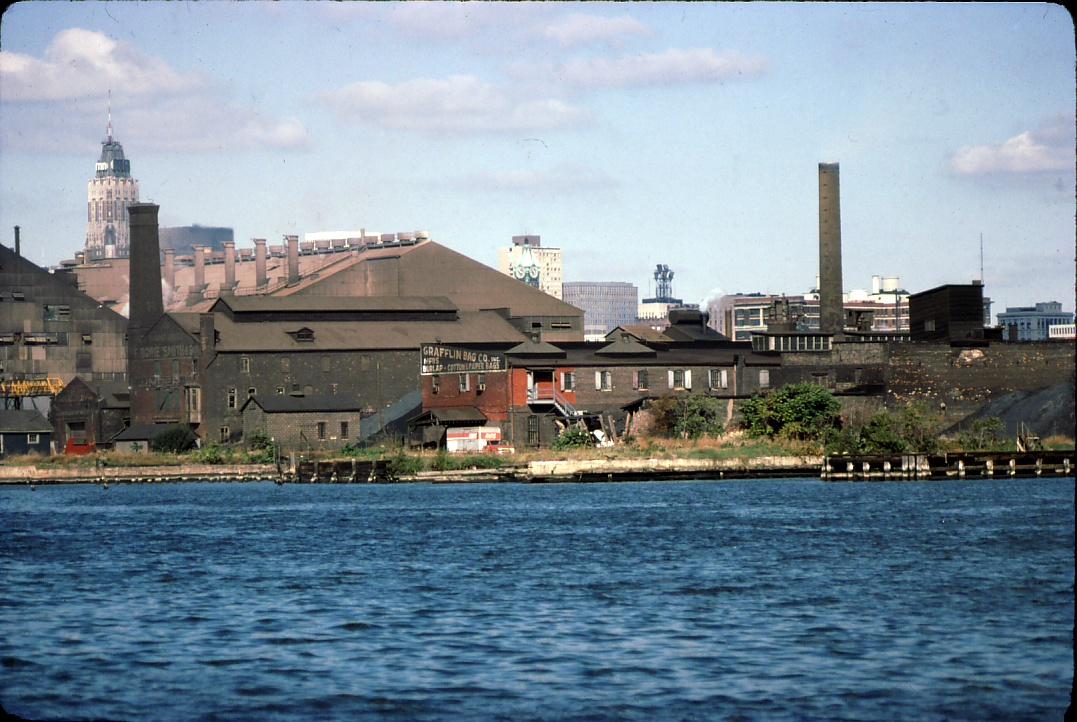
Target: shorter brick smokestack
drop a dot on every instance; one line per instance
(170, 269)
(259, 262)
(229, 267)
(18, 243)
(194, 295)
(293, 259)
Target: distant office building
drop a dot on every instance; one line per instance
(528, 261)
(1032, 323)
(885, 309)
(108, 194)
(606, 305)
(183, 239)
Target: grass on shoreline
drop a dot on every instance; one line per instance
(731, 445)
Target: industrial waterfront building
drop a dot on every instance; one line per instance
(536, 265)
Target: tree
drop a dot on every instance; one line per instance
(982, 434)
(687, 417)
(882, 435)
(798, 411)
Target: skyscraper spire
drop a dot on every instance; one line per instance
(110, 115)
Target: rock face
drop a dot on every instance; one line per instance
(1047, 412)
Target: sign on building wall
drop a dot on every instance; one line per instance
(443, 359)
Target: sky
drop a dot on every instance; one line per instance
(627, 134)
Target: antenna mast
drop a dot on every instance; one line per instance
(110, 115)
(981, 258)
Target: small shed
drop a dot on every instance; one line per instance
(136, 439)
(430, 428)
(303, 422)
(86, 414)
(24, 431)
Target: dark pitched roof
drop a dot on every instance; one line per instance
(23, 421)
(295, 404)
(330, 304)
(459, 414)
(484, 327)
(531, 347)
(625, 346)
(640, 331)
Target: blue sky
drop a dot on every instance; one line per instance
(628, 134)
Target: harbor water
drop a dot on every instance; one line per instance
(787, 600)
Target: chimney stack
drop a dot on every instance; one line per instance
(293, 259)
(831, 311)
(194, 294)
(144, 295)
(229, 267)
(170, 269)
(18, 243)
(259, 262)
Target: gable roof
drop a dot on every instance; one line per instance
(294, 404)
(23, 421)
(140, 432)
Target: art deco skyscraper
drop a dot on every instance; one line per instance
(110, 191)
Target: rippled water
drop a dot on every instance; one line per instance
(725, 600)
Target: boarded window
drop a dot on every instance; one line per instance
(245, 364)
(764, 378)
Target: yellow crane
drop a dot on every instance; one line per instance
(19, 388)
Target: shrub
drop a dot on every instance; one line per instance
(573, 438)
(920, 429)
(699, 416)
(798, 411)
(842, 441)
(174, 439)
(982, 434)
(882, 435)
(211, 454)
(401, 464)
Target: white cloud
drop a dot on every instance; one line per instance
(457, 104)
(561, 179)
(672, 67)
(80, 63)
(1047, 149)
(579, 29)
(57, 103)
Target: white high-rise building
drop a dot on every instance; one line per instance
(110, 191)
(526, 260)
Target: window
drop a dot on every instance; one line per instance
(245, 364)
(285, 364)
(639, 380)
(480, 382)
(33, 438)
(226, 434)
(532, 430)
(280, 391)
(343, 429)
(718, 379)
(333, 389)
(56, 313)
(251, 391)
(175, 368)
(321, 429)
(929, 324)
(232, 397)
(568, 381)
(764, 378)
(435, 384)
(87, 339)
(83, 362)
(465, 382)
(680, 379)
(603, 381)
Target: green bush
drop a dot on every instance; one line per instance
(920, 428)
(686, 417)
(173, 440)
(842, 441)
(211, 454)
(798, 411)
(573, 438)
(883, 434)
(401, 464)
(983, 434)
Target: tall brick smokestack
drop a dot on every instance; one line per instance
(229, 267)
(195, 292)
(831, 311)
(293, 259)
(170, 269)
(144, 294)
(260, 262)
